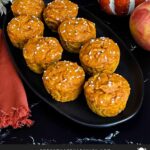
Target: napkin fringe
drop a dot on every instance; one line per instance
(16, 118)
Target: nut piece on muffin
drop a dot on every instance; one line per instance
(75, 32)
(28, 7)
(57, 11)
(100, 55)
(40, 52)
(22, 28)
(107, 94)
(64, 80)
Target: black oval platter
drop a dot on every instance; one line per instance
(78, 110)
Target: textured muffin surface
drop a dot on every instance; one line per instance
(27, 7)
(107, 94)
(22, 28)
(100, 55)
(75, 32)
(64, 80)
(57, 11)
(40, 52)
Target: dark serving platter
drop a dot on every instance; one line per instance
(78, 110)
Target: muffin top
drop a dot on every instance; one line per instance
(27, 7)
(59, 10)
(22, 28)
(42, 50)
(64, 75)
(98, 52)
(106, 90)
(25, 25)
(77, 30)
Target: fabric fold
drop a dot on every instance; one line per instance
(14, 109)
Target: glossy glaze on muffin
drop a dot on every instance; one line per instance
(64, 80)
(57, 11)
(107, 94)
(27, 7)
(40, 52)
(75, 32)
(100, 55)
(22, 28)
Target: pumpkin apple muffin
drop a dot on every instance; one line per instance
(57, 11)
(40, 52)
(22, 28)
(27, 7)
(107, 94)
(63, 80)
(75, 32)
(100, 55)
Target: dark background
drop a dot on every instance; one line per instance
(53, 128)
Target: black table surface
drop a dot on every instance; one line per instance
(53, 128)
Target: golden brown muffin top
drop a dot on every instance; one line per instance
(107, 89)
(77, 30)
(60, 9)
(64, 75)
(100, 51)
(27, 7)
(25, 26)
(42, 50)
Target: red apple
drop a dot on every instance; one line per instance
(140, 25)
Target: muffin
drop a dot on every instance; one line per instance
(57, 11)
(40, 52)
(107, 94)
(63, 80)
(22, 28)
(76, 32)
(100, 55)
(27, 7)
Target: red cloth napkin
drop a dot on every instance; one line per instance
(14, 110)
